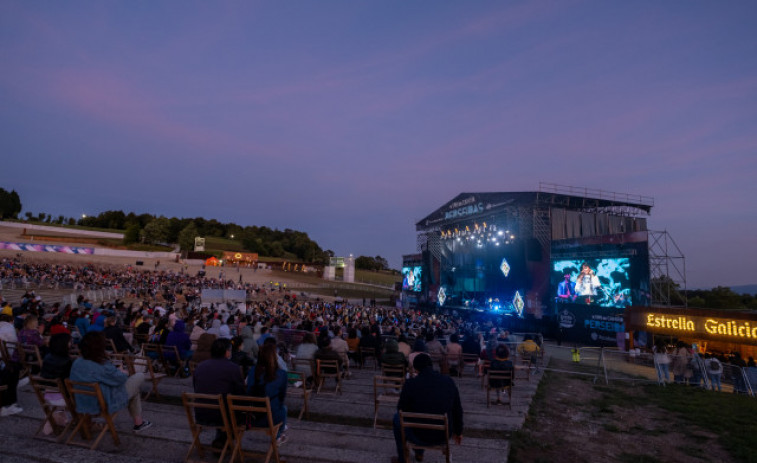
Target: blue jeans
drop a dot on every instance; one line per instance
(663, 372)
(715, 380)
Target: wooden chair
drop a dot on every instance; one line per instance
(386, 390)
(525, 366)
(145, 365)
(366, 353)
(484, 365)
(258, 410)
(469, 360)
(155, 352)
(328, 369)
(395, 371)
(53, 398)
(32, 358)
(441, 361)
(110, 346)
(5, 356)
(424, 421)
(77, 390)
(301, 364)
(297, 386)
(193, 402)
(17, 355)
(500, 380)
(171, 359)
(123, 362)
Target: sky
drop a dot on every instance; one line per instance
(351, 121)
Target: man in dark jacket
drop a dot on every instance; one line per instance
(429, 392)
(218, 375)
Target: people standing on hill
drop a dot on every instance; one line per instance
(661, 361)
(714, 371)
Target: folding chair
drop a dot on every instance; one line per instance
(525, 365)
(53, 397)
(294, 378)
(368, 352)
(194, 402)
(155, 352)
(469, 360)
(328, 369)
(171, 359)
(500, 380)
(428, 422)
(485, 364)
(258, 411)
(395, 371)
(145, 365)
(110, 346)
(32, 358)
(441, 361)
(84, 421)
(17, 355)
(386, 390)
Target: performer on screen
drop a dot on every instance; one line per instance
(566, 290)
(587, 283)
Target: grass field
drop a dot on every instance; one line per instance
(574, 420)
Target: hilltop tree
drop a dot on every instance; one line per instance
(187, 237)
(10, 204)
(156, 231)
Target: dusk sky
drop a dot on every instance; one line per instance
(351, 121)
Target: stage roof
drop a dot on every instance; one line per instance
(468, 206)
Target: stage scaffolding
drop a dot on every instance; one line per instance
(667, 270)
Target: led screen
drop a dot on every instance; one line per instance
(601, 282)
(411, 278)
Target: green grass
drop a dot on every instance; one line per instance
(732, 417)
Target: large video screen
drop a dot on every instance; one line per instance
(411, 278)
(601, 282)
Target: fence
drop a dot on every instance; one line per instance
(612, 365)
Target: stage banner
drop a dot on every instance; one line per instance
(590, 325)
(223, 295)
(45, 248)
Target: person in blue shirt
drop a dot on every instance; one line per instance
(119, 390)
(268, 380)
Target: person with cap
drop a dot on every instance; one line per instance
(428, 392)
(9, 372)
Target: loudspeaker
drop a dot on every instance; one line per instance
(139, 262)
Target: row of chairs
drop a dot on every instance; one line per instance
(236, 412)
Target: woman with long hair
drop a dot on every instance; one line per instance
(268, 380)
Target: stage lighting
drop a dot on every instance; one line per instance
(518, 303)
(500, 233)
(504, 267)
(441, 296)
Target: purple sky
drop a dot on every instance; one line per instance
(353, 120)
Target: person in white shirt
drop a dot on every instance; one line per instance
(587, 282)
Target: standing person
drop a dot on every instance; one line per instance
(566, 290)
(681, 363)
(714, 371)
(10, 371)
(662, 361)
(118, 389)
(217, 375)
(428, 392)
(268, 380)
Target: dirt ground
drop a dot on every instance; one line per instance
(574, 420)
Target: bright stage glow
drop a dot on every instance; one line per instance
(505, 267)
(518, 303)
(441, 296)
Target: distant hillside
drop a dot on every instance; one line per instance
(745, 289)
